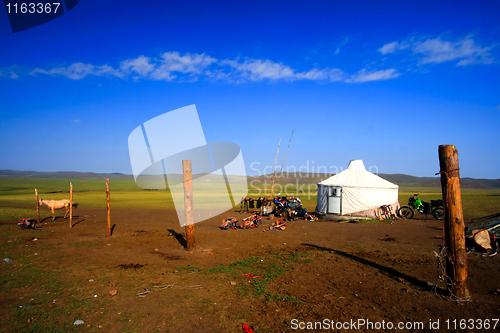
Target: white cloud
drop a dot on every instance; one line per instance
(465, 50)
(140, 65)
(364, 76)
(191, 64)
(326, 74)
(256, 69)
(188, 63)
(79, 70)
(172, 66)
(436, 50)
(393, 47)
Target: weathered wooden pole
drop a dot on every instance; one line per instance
(70, 205)
(188, 203)
(37, 207)
(454, 226)
(108, 207)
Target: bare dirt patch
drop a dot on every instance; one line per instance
(310, 272)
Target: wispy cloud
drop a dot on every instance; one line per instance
(393, 47)
(464, 51)
(141, 65)
(9, 72)
(169, 63)
(326, 74)
(80, 70)
(364, 76)
(256, 69)
(171, 66)
(344, 41)
(75, 121)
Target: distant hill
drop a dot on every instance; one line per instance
(301, 178)
(411, 181)
(63, 175)
(398, 179)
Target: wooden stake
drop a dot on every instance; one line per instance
(108, 207)
(37, 207)
(70, 205)
(454, 226)
(188, 204)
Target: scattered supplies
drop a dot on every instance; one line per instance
(247, 329)
(278, 226)
(480, 235)
(251, 276)
(28, 223)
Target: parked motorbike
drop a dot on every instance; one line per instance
(435, 207)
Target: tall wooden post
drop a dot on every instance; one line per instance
(108, 207)
(70, 205)
(454, 228)
(188, 203)
(37, 207)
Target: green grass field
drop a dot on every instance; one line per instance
(17, 196)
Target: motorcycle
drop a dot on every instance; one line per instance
(435, 207)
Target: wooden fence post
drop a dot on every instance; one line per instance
(108, 207)
(454, 226)
(37, 207)
(70, 205)
(188, 204)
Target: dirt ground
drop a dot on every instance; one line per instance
(347, 273)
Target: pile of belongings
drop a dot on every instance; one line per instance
(480, 237)
(27, 223)
(279, 225)
(291, 208)
(231, 223)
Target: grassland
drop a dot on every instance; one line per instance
(17, 199)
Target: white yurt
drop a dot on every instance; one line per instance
(356, 192)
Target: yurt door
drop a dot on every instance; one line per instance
(334, 200)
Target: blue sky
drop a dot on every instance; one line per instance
(382, 81)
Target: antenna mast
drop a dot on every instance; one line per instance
(281, 171)
(274, 170)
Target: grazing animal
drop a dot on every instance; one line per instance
(57, 204)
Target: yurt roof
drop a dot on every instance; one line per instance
(356, 175)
